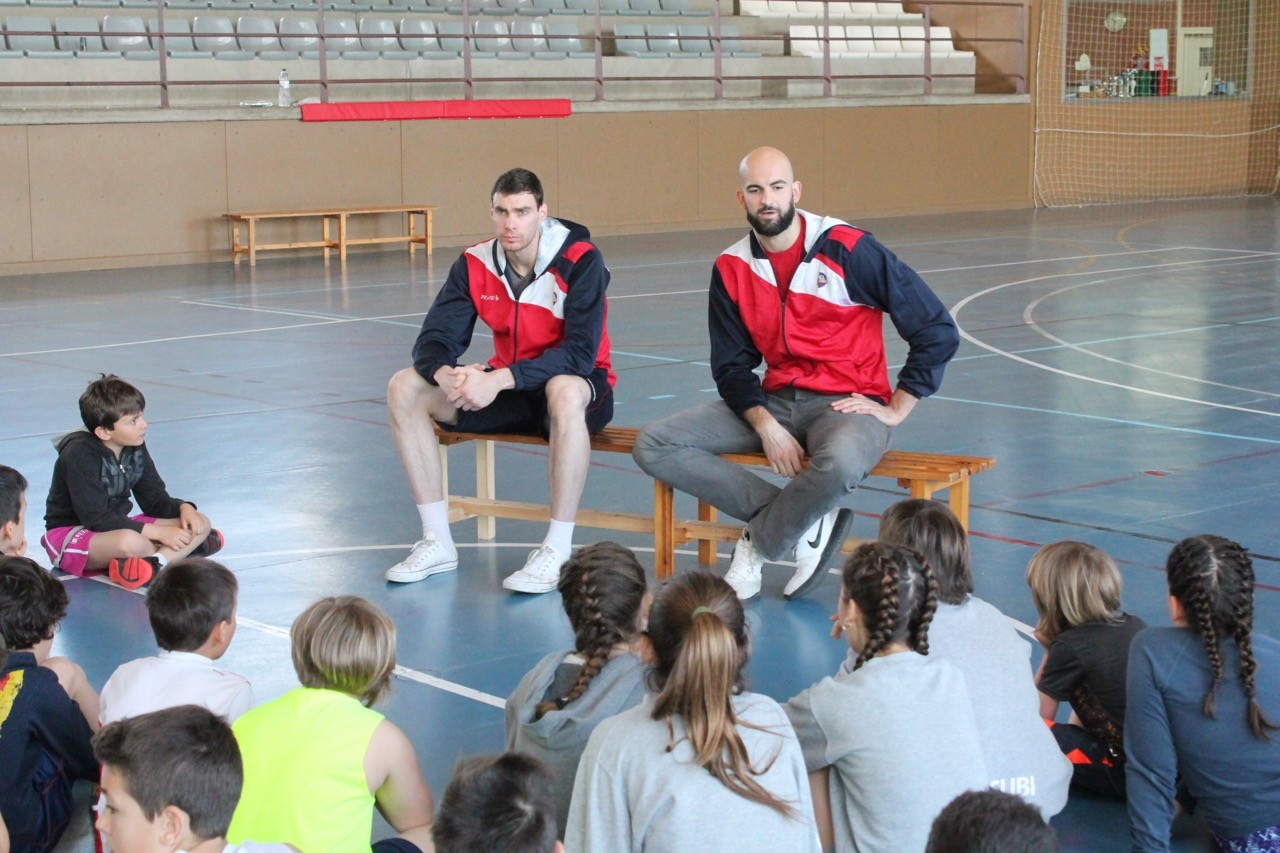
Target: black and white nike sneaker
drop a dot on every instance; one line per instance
(817, 548)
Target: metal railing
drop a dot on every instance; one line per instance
(722, 51)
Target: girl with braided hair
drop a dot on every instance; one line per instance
(1204, 701)
(891, 739)
(1076, 589)
(559, 703)
(701, 764)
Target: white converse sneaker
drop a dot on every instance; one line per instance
(745, 568)
(427, 558)
(819, 545)
(541, 572)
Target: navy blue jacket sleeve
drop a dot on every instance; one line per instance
(446, 330)
(80, 466)
(153, 498)
(1151, 765)
(584, 314)
(921, 319)
(734, 356)
(58, 721)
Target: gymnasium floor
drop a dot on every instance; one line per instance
(1118, 361)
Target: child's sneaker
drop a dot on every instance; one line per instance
(211, 545)
(132, 572)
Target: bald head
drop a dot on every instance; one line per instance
(768, 192)
(766, 163)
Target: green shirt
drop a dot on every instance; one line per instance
(304, 779)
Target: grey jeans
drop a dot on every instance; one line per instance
(843, 448)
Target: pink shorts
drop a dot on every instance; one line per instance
(68, 547)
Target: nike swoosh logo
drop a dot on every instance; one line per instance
(817, 538)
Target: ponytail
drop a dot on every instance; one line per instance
(602, 587)
(699, 638)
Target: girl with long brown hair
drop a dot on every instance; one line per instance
(557, 706)
(1204, 703)
(892, 740)
(1076, 589)
(701, 764)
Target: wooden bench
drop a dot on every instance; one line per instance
(922, 474)
(327, 241)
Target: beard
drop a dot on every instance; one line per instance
(777, 226)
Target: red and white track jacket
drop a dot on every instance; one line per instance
(557, 327)
(826, 335)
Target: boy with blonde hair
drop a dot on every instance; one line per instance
(87, 516)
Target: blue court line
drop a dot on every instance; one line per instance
(1109, 420)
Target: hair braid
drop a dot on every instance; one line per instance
(924, 615)
(885, 617)
(1201, 612)
(602, 586)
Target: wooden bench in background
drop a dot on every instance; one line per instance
(327, 241)
(922, 474)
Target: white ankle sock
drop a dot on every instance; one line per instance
(560, 537)
(435, 522)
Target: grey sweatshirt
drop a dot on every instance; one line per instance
(560, 736)
(632, 793)
(1021, 754)
(900, 738)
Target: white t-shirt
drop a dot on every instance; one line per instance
(170, 679)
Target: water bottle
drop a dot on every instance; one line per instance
(283, 99)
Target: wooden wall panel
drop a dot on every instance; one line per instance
(725, 136)
(15, 197)
(107, 190)
(453, 164)
(623, 170)
(882, 163)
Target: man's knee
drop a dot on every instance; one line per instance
(406, 389)
(567, 397)
(648, 449)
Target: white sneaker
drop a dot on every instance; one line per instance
(816, 549)
(745, 568)
(541, 573)
(427, 558)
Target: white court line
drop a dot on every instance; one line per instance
(402, 671)
(1067, 258)
(1028, 316)
(260, 309)
(955, 310)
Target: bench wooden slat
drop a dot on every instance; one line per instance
(251, 219)
(922, 474)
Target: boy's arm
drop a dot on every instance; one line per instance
(153, 498)
(63, 728)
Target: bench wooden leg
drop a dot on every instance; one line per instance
(485, 487)
(408, 221)
(428, 230)
(958, 497)
(706, 547)
(253, 243)
(664, 530)
(342, 238)
(324, 235)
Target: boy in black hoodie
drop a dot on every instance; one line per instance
(87, 515)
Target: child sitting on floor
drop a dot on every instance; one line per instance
(192, 607)
(13, 512)
(46, 710)
(701, 764)
(1076, 589)
(171, 780)
(1204, 705)
(499, 804)
(87, 514)
(318, 759)
(558, 705)
(889, 743)
(1020, 753)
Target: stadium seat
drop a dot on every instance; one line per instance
(39, 45)
(84, 46)
(299, 34)
(418, 35)
(695, 39)
(379, 35)
(732, 46)
(629, 40)
(133, 43)
(564, 37)
(214, 34)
